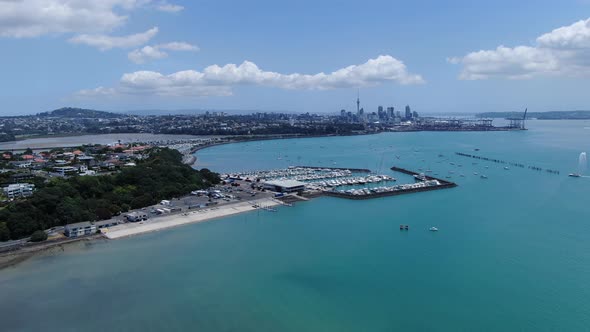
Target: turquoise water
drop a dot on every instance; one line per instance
(512, 253)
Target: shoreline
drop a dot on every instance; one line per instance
(17, 256)
(14, 257)
(192, 217)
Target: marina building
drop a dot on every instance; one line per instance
(284, 186)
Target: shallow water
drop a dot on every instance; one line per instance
(512, 252)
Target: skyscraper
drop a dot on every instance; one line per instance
(408, 112)
(391, 112)
(380, 113)
(358, 103)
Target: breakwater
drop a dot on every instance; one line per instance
(504, 162)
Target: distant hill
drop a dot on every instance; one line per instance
(71, 112)
(556, 115)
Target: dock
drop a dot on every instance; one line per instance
(355, 170)
(430, 184)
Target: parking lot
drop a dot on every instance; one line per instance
(237, 191)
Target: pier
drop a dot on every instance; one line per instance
(355, 170)
(430, 183)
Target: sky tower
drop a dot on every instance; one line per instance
(358, 102)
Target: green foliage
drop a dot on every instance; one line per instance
(4, 232)
(88, 198)
(38, 236)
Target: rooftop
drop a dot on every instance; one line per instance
(285, 183)
(79, 224)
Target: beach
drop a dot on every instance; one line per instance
(164, 222)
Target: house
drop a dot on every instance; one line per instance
(19, 190)
(65, 170)
(21, 177)
(106, 223)
(136, 216)
(80, 229)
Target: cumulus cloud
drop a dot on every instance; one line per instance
(564, 51)
(218, 80)
(32, 18)
(146, 53)
(105, 42)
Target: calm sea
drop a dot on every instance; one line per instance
(512, 252)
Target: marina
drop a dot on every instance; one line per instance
(313, 181)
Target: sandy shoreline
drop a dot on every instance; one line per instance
(159, 223)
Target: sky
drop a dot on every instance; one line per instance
(294, 56)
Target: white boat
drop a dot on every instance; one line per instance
(433, 229)
(574, 175)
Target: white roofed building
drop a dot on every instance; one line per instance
(284, 186)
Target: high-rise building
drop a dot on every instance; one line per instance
(391, 112)
(343, 113)
(358, 103)
(415, 114)
(408, 112)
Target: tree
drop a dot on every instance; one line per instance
(38, 236)
(103, 213)
(65, 201)
(4, 232)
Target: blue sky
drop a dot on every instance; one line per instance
(428, 50)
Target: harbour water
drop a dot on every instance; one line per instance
(512, 252)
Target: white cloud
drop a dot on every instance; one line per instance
(156, 52)
(147, 52)
(105, 42)
(170, 8)
(574, 36)
(179, 46)
(218, 80)
(564, 51)
(32, 18)
(100, 91)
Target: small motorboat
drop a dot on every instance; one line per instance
(574, 175)
(433, 229)
(483, 176)
(506, 168)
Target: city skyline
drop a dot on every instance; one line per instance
(131, 55)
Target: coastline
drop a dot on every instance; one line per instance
(196, 216)
(17, 256)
